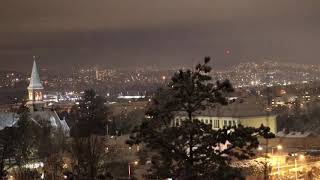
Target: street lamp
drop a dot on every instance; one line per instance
(260, 149)
(278, 168)
(129, 167)
(279, 147)
(296, 166)
(301, 157)
(109, 121)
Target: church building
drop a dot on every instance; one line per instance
(38, 108)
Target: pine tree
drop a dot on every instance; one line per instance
(91, 115)
(191, 149)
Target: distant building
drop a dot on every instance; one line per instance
(98, 75)
(285, 100)
(294, 141)
(296, 134)
(249, 113)
(38, 108)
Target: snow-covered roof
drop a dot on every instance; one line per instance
(295, 134)
(248, 107)
(53, 119)
(10, 119)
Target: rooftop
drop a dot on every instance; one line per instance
(35, 82)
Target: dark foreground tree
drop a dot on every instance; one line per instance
(88, 155)
(7, 150)
(190, 149)
(52, 148)
(90, 116)
(26, 140)
(124, 124)
(89, 145)
(17, 143)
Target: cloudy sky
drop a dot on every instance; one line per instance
(129, 33)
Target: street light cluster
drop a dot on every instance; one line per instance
(279, 147)
(301, 156)
(296, 157)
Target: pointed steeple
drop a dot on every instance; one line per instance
(35, 82)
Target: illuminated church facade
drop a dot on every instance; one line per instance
(38, 108)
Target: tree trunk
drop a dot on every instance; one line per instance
(189, 170)
(92, 173)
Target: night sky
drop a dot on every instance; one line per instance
(129, 33)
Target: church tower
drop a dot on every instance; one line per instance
(35, 91)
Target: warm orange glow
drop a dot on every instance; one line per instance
(279, 147)
(301, 157)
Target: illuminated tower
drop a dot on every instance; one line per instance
(35, 90)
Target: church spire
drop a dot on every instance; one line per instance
(35, 82)
(35, 90)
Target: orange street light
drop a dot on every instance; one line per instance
(301, 157)
(279, 147)
(129, 167)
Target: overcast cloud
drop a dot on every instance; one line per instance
(127, 33)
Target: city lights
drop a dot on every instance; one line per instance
(183, 90)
